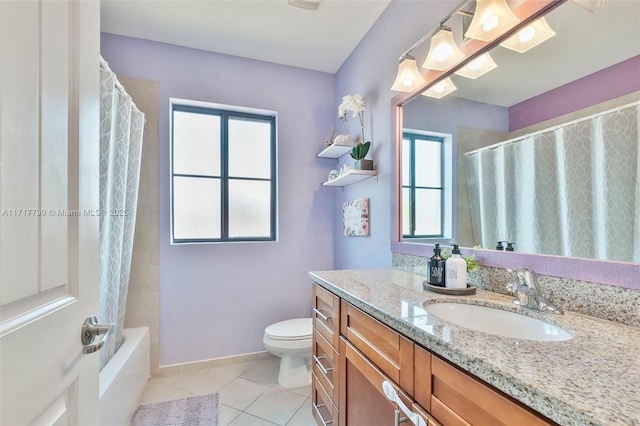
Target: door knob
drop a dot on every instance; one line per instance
(91, 329)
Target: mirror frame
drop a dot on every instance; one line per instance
(620, 274)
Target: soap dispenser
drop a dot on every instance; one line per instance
(435, 268)
(456, 270)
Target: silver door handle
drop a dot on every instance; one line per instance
(320, 314)
(317, 409)
(90, 329)
(322, 368)
(397, 419)
(392, 395)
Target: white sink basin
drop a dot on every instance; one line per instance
(496, 321)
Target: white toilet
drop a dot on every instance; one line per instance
(291, 340)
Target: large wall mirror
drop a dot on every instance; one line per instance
(541, 151)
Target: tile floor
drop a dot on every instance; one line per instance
(249, 394)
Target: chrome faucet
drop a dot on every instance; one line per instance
(527, 292)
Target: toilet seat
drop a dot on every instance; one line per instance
(293, 329)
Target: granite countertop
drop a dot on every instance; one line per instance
(592, 379)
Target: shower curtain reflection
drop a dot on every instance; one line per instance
(121, 130)
(572, 190)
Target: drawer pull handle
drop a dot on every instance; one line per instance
(322, 368)
(392, 395)
(320, 314)
(317, 410)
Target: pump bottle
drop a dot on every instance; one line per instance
(435, 268)
(456, 270)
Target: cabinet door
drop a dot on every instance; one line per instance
(362, 399)
(386, 348)
(456, 394)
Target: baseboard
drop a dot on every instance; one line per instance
(196, 366)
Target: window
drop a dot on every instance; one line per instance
(223, 174)
(422, 185)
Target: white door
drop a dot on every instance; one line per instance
(49, 118)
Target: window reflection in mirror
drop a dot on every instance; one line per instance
(589, 66)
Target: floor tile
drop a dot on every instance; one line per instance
(265, 372)
(303, 416)
(236, 369)
(240, 393)
(277, 406)
(302, 391)
(155, 391)
(245, 419)
(201, 383)
(227, 414)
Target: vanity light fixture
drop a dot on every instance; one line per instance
(440, 89)
(409, 77)
(530, 36)
(479, 66)
(443, 51)
(490, 19)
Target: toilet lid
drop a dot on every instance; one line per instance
(293, 329)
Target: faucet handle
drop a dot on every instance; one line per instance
(512, 287)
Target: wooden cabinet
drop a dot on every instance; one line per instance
(362, 399)
(456, 398)
(386, 348)
(355, 353)
(326, 368)
(326, 315)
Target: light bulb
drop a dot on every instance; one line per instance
(490, 23)
(442, 52)
(438, 88)
(476, 64)
(527, 34)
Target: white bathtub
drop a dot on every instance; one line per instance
(124, 377)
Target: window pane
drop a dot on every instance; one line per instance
(249, 209)
(196, 208)
(428, 212)
(406, 161)
(428, 163)
(249, 148)
(196, 143)
(406, 224)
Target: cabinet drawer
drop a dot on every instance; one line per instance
(473, 401)
(326, 315)
(323, 410)
(326, 366)
(386, 348)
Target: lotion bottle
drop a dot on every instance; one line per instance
(456, 270)
(435, 268)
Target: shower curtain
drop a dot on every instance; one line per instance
(572, 190)
(121, 130)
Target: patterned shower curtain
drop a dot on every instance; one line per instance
(121, 129)
(572, 190)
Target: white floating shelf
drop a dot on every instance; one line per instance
(335, 151)
(352, 177)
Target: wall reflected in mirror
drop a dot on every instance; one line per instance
(553, 163)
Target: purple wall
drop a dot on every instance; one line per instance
(370, 71)
(217, 299)
(609, 83)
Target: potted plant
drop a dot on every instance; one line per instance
(355, 104)
(358, 153)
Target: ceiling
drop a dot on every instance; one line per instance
(266, 30)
